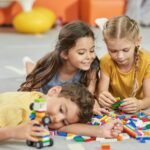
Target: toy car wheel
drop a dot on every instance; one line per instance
(36, 125)
(46, 120)
(38, 144)
(31, 106)
(29, 143)
(51, 142)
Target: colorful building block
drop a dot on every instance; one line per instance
(39, 107)
(116, 105)
(105, 147)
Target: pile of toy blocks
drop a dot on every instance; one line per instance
(136, 126)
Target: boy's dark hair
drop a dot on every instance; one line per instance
(78, 94)
(48, 65)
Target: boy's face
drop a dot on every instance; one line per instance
(62, 111)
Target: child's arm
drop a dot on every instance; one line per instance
(22, 131)
(132, 104)
(104, 96)
(109, 130)
(92, 84)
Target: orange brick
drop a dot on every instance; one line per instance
(105, 147)
(119, 138)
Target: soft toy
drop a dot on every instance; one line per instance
(37, 20)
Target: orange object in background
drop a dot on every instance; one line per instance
(92, 9)
(7, 14)
(67, 10)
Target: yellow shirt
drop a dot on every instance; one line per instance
(121, 83)
(14, 107)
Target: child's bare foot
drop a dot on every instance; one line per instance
(29, 64)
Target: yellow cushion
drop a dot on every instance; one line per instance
(36, 21)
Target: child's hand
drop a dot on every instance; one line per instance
(130, 105)
(98, 110)
(112, 129)
(28, 131)
(106, 99)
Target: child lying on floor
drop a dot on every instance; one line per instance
(68, 106)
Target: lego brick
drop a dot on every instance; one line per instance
(105, 147)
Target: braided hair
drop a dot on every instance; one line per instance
(124, 27)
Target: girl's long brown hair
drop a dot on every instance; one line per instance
(47, 66)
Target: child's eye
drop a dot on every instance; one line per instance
(92, 50)
(65, 122)
(126, 50)
(80, 53)
(113, 51)
(61, 109)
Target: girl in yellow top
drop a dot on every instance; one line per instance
(125, 71)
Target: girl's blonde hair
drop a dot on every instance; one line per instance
(124, 27)
(121, 27)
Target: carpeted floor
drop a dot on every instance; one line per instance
(14, 46)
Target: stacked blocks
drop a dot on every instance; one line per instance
(38, 113)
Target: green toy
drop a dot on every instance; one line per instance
(116, 105)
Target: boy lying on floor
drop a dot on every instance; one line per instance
(69, 107)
